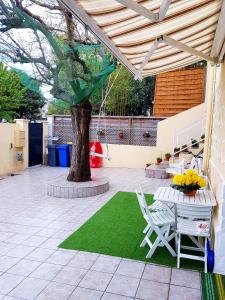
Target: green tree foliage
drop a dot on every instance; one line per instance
(30, 106)
(11, 93)
(129, 96)
(58, 107)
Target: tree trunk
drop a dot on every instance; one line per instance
(80, 167)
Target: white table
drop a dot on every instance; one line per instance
(203, 198)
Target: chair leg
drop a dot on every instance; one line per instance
(176, 241)
(144, 242)
(206, 256)
(152, 250)
(146, 228)
(178, 249)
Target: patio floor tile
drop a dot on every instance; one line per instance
(56, 291)
(83, 260)
(5, 236)
(47, 232)
(123, 285)
(60, 258)
(8, 282)
(157, 273)
(96, 280)
(34, 240)
(18, 238)
(40, 254)
(20, 251)
(106, 264)
(6, 262)
(131, 268)
(69, 275)
(185, 278)
(51, 243)
(150, 290)
(108, 296)
(85, 294)
(24, 267)
(183, 293)
(5, 248)
(29, 288)
(46, 271)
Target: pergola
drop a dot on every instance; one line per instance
(154, 36)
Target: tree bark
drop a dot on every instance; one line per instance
(80, 167)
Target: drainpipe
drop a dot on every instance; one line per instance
(210, 101)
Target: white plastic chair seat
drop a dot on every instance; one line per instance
(163, 217)
(157, 205)
(190, 227)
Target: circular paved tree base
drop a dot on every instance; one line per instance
(61, 188)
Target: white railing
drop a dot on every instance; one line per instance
(185, 135)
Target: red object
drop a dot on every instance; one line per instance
(191, 193)
(95, 161)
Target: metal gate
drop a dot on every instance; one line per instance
(35, 144)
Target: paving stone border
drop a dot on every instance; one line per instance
(61, 188)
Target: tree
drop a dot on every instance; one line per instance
(129, 96)
(11, 93)
(51, 41)
(143, 96)
(30, 106)
(58, 107)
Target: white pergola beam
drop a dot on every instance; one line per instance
(163, 9)
(220, 34)
(138, 8)
(147, 58)
(78, 11)
(188, 49)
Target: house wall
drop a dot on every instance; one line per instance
(8, 161)
(129, 156)
(186, 125)
(215, 156)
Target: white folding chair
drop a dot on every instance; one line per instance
(159, 222)
(194, 222)
(156, 205)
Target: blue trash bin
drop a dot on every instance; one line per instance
(53, 159)
(63, 151)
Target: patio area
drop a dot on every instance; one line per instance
(33, 224)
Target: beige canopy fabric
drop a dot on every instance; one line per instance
(153, 36)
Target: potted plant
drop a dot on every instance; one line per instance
(146, 134)
(188, 183)
(121, 135)
(167, 156)
(158, 160)
(176, 151)
(203, 138)
(194, 143)
(184, 148)
(100, 132)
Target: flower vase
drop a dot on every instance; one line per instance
(190, 193)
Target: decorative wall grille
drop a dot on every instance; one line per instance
(140, 131)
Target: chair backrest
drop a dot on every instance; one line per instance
(142, 203)
(193, 212)
(144, 207)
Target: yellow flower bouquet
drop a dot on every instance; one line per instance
(189, 182)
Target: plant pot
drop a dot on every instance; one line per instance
(190, 193)
(121, 135)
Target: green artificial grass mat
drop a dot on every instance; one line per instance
(213, 286)
(117, 230)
